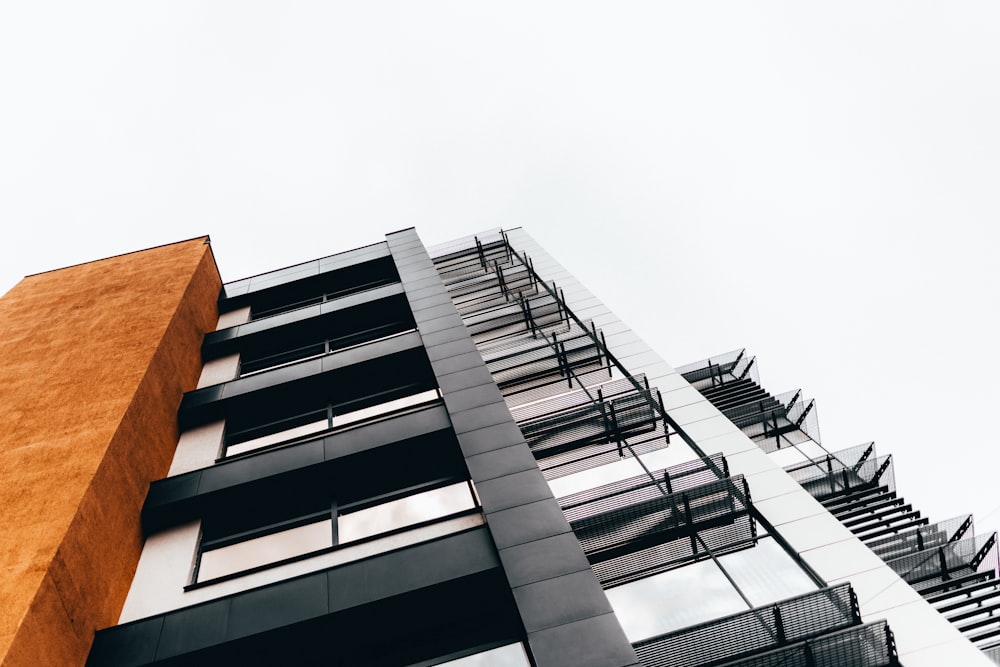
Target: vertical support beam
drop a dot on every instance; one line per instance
(566, 616)
(779, 625)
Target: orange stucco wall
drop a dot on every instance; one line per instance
(94, 360)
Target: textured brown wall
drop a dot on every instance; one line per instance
(94, 360)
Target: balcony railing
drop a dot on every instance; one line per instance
(649, 524)
(742, 635)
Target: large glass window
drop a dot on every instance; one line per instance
(228, 554)
(323, 287)
(708, 589)
(271, 548)
(798, 453)
(252, 364)
(766, 573)
(679, 546)
(511, 655)
(406, 511)
(315, 421)
(674, 599)
(676, 453)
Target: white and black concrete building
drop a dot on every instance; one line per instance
(458, 456)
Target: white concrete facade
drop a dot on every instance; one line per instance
(923, 636)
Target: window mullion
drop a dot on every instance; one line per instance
(334, 522)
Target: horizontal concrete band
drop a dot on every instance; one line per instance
(174, 500)
(333, 608)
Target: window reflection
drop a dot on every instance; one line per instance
(318, 535)
(253, 361)
(674, 599)
(326, 422)
(512, 655)
(766, 573)
(266, 549)
(385, 408)
(798, 453)
(612, 472)
(787, 457)
(280, 436)
(405, 512)
(700, 591)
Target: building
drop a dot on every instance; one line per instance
(398, 455)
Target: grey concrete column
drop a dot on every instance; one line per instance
(565, 612)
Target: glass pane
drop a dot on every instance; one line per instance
(811, 450)
(674, 599)
(404, 512)
(676, 453)
(799, 453)
(766, 573)
(787, 456)
(251, 366)
(511, 655)
(280, 436)
(267, 549)
(385, 408)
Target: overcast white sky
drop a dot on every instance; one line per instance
(816, 183)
